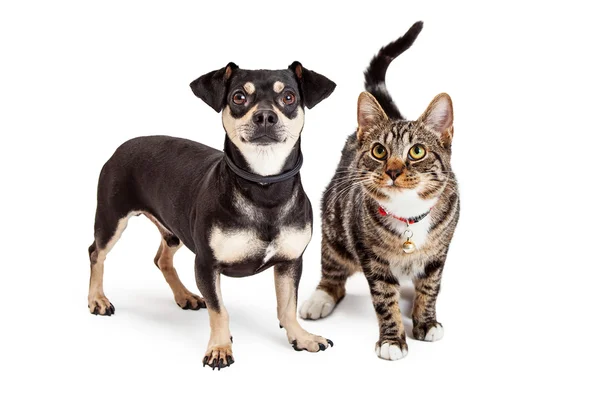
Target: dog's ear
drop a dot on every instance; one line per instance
(212, 87)
(314, 87)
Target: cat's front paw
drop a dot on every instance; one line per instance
(428, 332)
(391, 349)
(320, 305)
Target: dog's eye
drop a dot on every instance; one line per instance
(239, 98)
(289, 98)
(417, 152)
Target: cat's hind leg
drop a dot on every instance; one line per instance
(336, 267)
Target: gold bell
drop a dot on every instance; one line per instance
(409, 247)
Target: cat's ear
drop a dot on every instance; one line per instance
(439, 117)
(212, 87)
(369, 113)
(315, 87)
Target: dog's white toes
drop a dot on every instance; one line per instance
(319, 305)
(390, 352)
(434, 333)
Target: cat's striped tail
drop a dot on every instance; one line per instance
(375, 72)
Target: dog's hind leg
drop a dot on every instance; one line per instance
(164, 261)
(169, 245)
(107, 232)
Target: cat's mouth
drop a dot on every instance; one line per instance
(400, 184)
(423, 191)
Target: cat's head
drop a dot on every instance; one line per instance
(404, 164)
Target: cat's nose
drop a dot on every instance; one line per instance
(394, 173)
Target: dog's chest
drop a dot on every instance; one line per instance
(247, 246)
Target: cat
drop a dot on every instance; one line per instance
(390, 209)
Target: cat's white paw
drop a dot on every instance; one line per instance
(434, 333)
(391, 352)
(319, 305)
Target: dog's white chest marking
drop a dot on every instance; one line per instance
(230, 246)
(289, 244)
(234, 245)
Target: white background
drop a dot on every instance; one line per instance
(519, 302)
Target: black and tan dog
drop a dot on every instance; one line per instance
(240, 211)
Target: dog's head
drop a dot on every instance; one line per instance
(263, 110)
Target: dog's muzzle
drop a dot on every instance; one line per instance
(265, 128)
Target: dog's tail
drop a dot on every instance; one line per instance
(375, 72)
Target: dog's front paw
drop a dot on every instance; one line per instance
(391, 349)
(428, 332)
(99, 305)
(319, 305)
(189, 301)
(309, 342)
(218, 357)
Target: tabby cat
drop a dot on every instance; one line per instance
(391, 209)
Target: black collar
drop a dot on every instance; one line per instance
(264, 180)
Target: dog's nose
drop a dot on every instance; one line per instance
(394, 173)
(264, 118)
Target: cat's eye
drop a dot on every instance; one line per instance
(239, 98)
(289, 98)
(379, 151)
(417, 152)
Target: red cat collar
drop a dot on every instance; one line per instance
(408, 221)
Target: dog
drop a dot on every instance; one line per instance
(241, 210)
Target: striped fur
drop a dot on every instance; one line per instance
(356, 237)
(375, 73)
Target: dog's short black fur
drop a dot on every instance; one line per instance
(235, 226)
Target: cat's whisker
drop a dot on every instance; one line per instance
(341, 180)
(344, 188)
(343, 192)
(347, 188)
(344, 178)
(344, 195)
